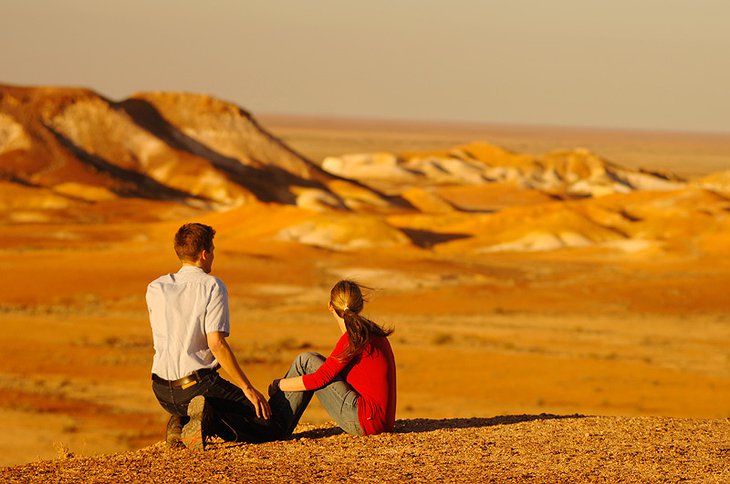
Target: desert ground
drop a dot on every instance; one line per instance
(624, 318)
(517, 448)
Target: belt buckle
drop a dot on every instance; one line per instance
(187, 385)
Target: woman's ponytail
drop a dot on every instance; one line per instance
(347, 300)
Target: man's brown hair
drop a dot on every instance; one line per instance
(192, 239)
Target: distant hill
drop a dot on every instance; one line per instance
(482, 198)
(189, 148)
(575, 173)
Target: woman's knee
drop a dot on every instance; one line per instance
(309, 362)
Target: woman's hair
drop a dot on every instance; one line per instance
(192, 239)
(347, 300)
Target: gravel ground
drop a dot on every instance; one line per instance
(526, 448)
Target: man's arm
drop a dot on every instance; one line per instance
(223, 353)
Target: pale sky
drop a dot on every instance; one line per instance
(649, 64)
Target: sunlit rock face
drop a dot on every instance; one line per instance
(188, 148)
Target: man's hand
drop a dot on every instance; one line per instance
(259, 402)
(223, 353)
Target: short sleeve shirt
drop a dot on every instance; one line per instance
(184, 307)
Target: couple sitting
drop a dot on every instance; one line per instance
(190, 323)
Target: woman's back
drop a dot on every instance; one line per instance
(373, 376)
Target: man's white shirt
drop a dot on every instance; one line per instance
(183, 308)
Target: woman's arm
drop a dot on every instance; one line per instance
(314, 381)
(296, 383)
(293, 384)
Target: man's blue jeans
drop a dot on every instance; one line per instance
(337, 397)
(232, 418)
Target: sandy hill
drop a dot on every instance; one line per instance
(187, 148)
(480, 198)
(522, 448)
(73, 155)
(719, 182)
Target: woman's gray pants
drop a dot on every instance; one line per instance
(337, 397)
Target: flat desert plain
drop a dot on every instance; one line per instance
(488, 323)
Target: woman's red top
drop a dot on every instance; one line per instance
(371, 374)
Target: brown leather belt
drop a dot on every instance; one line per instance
(186, 381)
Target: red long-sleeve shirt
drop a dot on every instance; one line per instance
(371, 375)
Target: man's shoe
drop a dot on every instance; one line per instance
(174, 432)
(192, 433)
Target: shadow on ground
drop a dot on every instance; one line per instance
(428, 425)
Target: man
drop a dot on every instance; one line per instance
(190, 323)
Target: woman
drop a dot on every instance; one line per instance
(355, 384)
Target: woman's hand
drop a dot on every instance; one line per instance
(274, 387)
